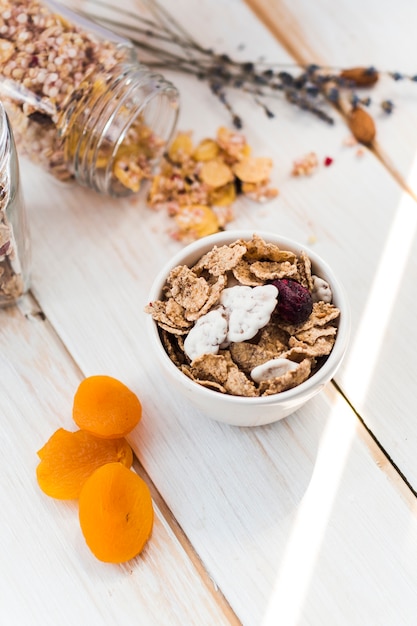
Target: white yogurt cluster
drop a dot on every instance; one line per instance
(242, 312)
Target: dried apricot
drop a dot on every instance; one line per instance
(116, 513)
(105, 407)
(69, 458)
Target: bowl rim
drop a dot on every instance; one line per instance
(191, 253)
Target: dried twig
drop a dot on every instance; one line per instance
(166, 45)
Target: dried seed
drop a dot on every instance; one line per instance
(361, 125)
(360, 76)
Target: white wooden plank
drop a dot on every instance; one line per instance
(350, 34)
(48, 574)
(379, 375)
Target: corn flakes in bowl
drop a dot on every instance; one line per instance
(248, 326)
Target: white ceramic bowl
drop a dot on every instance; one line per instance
(237, 410)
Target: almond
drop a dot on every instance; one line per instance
(360, 76)
(361, 125)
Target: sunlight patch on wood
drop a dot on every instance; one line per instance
(374, 324)
(312, 518)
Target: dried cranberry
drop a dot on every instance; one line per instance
(295, 302)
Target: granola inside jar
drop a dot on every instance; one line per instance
(14, 236)
(80, 103)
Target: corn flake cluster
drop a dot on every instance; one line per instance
(271, 356)
(198, 184)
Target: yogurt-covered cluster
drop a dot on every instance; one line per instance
(242, 312)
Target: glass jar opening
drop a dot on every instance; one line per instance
(116, 128)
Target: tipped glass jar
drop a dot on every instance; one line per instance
(80, 103)
(14, 236)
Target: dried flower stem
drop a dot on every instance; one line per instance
(166, 45)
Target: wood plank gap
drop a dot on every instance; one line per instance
(384, 460)
(186, 545)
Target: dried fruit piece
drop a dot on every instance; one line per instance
(105, 407)
(361, 125)
(116, 513)
(360, 76)
(69, 458)
(295, 303)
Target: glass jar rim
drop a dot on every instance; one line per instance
(4, 137)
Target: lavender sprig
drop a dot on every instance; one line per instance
(165, 45)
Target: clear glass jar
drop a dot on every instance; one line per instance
(79, 101)
(14, 234)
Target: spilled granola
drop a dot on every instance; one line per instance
(198, 184)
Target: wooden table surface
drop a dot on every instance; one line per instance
(311, 520)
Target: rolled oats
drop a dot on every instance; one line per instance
(231, 337)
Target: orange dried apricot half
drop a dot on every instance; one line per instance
(69, 458)
(116, 513)
(105, 407)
